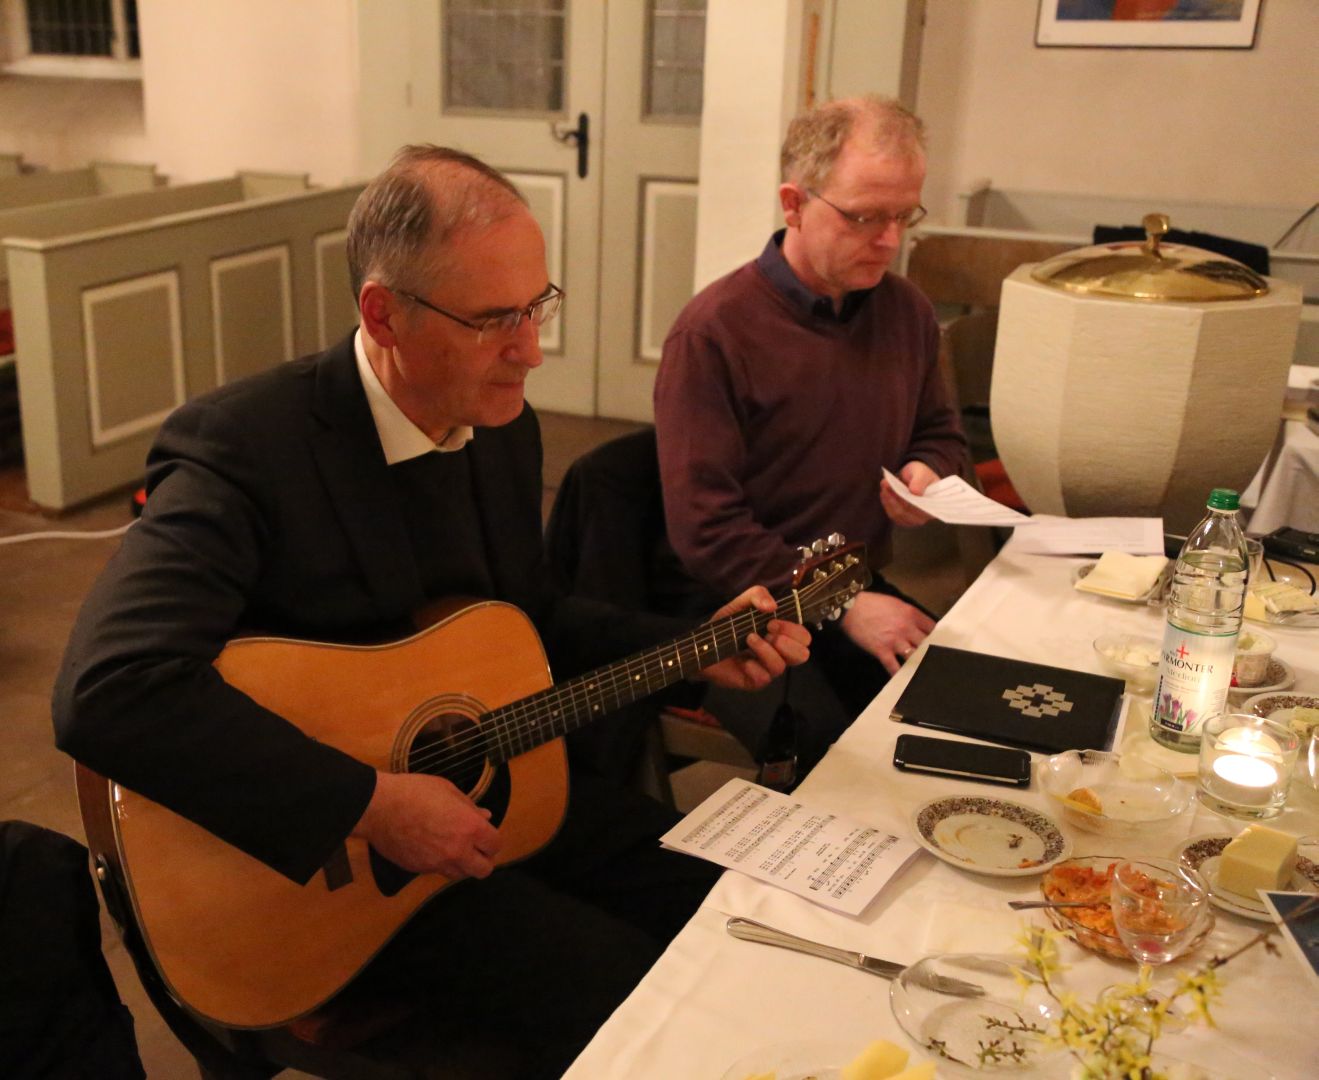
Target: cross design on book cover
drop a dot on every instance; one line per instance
(1037, 700)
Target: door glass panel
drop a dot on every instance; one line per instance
(675, 61)
(504, 55)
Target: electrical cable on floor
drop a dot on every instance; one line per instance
(102, 534)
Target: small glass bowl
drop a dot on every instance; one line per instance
(1119, 795)
(1129, 657)
(1090, 878)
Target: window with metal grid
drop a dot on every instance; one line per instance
(675, 62)
(83, 28)
(505, 55)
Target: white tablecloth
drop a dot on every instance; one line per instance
(1289, 494)
(711, 999)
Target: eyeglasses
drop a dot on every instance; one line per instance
(878, 222)
(506, 323)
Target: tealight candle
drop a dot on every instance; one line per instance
(1246, 780)
(1246, 764)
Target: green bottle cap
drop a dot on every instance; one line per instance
(1223, 499)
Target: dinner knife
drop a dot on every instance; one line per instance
(750, 930)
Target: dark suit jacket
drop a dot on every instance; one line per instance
(270, 507)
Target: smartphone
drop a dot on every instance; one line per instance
(963, 760)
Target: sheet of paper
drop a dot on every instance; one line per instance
(1090, 536)
(839, 863)
(955, 501)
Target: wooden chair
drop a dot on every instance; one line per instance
(606, 540)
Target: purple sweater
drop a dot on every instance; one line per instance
(775, 417)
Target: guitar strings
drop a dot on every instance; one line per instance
(473, 747)
(574, 697)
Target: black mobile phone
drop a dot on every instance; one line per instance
(962, 760)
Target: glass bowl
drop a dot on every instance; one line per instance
(1119, 795)
(1090, 878)
(1130, 657)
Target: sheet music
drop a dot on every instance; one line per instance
(1090, 536)
(835, 861)
(955, 501)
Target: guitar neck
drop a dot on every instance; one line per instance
(523, 725)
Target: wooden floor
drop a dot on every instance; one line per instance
(42, 584)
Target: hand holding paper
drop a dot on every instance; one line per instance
(955, 501)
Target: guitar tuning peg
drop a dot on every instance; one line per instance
(819, 574)
(836, 540)
(834, 613)
(817, 547)
(805, 552)
(820, 625)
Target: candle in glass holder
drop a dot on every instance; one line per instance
(1244, 779)
(1245, 765)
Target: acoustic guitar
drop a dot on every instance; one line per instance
(469, 699)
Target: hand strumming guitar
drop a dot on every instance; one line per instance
(425, 824)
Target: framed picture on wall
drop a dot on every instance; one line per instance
(1148, 24)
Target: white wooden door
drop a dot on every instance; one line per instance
(653, 77)
(507, 80)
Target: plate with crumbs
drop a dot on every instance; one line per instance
(989, 836)
(1203, 852)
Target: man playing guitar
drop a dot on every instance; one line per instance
(331, 500)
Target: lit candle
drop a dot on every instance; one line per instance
(1243, 779)
(1246, 740)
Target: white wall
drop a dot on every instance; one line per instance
(65, 123)
(249, 84)
(1215, 125)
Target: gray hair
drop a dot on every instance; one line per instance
(816, 137)
(404, 219)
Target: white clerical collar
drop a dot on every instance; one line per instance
(400, 438)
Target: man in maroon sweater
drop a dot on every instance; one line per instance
(788, 385)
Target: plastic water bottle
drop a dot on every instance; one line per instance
(1204, 619)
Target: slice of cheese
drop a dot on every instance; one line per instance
(878, 1061)
(1260, 858)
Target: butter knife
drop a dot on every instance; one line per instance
(750, 930)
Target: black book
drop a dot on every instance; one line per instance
(1011, 701)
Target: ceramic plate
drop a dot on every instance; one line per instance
(990, 836)
(1202, 853)
(1278, 677)
(1152, 598)
(1279, 707)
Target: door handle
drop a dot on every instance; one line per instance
(581, 136)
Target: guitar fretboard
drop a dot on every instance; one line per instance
(523, 725)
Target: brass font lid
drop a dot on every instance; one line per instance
(1151, 270)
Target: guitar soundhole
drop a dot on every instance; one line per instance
(453, 746)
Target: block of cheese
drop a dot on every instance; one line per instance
(878, 1061)
(1260, 858)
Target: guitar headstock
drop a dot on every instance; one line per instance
(828, 578)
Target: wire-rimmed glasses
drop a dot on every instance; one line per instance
(877, 222)
(503, 324)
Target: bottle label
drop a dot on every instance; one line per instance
(1195, 671)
